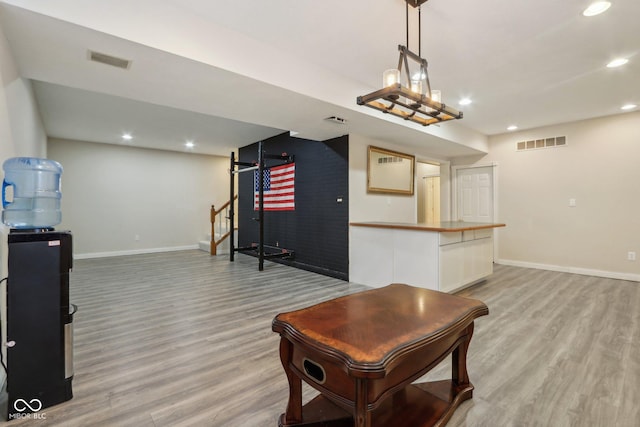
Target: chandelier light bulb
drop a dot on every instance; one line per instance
(416, 86)
(390, 77)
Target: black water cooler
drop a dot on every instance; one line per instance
(39, 321)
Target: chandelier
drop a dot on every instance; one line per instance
(408, 95)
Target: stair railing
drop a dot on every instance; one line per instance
(220, 219)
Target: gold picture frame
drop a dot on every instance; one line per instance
(389, 171)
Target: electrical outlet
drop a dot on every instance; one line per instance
(136, 237)
(631, 256)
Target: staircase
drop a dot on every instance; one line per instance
(222, 248)
(217, 242)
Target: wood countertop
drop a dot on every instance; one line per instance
(443, 226)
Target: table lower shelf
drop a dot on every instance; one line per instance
(418, 405)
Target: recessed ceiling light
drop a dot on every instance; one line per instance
(512, 127)
(127, 136)
(618, 62)
(628, 107)
(189, 144)
(464, 101)
(596, 8)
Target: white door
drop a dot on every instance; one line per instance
(475, 194)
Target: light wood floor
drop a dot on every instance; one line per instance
(184, 339)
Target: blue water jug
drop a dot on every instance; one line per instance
(31, 192)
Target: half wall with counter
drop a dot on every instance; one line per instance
(446, 256)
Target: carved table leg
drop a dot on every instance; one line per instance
(459, 373)
(293, 413)
(362, 415)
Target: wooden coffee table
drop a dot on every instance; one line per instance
(363, 351)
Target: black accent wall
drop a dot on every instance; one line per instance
(318, 229)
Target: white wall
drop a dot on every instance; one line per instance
(21, 130)
(600, 169)
(21, 134)
(374, 207)
(365, 207)
(113, 193)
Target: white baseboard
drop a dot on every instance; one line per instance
(574, 270)
(133, 252)
(205, 246)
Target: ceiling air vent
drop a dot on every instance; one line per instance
(114, 61)
(336, 119)
(533, 144)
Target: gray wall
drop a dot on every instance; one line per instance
(120, 200)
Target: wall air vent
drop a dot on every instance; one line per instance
(114, 61)
(336, 119)
(392, 159)
(533, 144)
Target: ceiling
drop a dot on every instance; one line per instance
(226, 74)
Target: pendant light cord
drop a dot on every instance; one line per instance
(406, 8)
(406, 20)
(419, 32)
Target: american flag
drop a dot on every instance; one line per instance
(279, 194)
